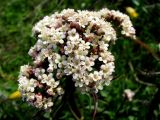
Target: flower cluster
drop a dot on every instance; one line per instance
(38, 87)
(122, 19)
(73, 44)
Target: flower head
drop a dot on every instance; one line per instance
(73, 44)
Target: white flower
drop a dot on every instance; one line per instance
(80, 54)
(106, 57)
(69, 48)
(25, 70)
(95, 76)
(129, 94)
(107, 68)
(73, 35)
(88, 63)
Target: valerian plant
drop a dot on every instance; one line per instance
(71, 52)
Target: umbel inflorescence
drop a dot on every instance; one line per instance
(71, 43)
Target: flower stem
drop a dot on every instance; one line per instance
(70, 89)
(95, 97)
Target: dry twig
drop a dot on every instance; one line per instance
(145, 46)
(137, 79)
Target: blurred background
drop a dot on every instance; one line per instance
(134, 94)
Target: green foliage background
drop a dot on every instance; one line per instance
(17, 18)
